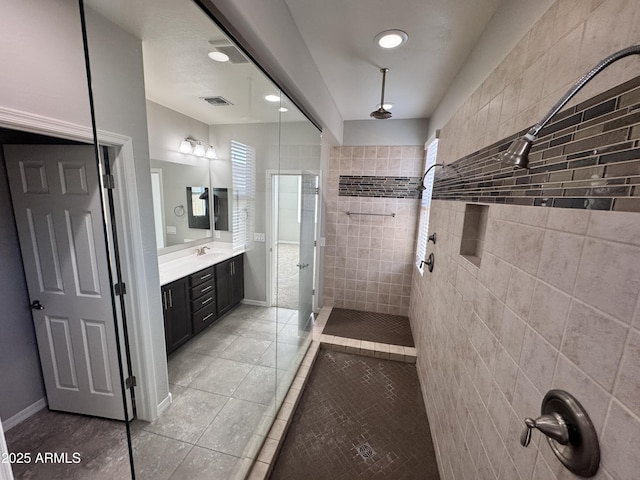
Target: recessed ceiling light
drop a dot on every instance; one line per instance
(283, 109)
(391, 38)
(218, 56)
(272, 98)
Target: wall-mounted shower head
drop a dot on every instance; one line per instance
(518, 152)
(381, 113)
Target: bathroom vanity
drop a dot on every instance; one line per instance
(197, 290)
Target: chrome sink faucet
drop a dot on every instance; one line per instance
(201, 251)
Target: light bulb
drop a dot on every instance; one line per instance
(185, 147)
(199, 150)
(211, 153)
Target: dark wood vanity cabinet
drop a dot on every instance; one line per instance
(177, 313)
(229, 283)
(193, 303)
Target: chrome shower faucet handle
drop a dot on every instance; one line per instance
(569, 432)
(553, 426)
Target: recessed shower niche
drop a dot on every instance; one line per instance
(473, 231)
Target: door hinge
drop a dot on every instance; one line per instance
(317, 190)
(109, 181)
(120, 288)
(315, 243)
(131, 382)
(313, 291)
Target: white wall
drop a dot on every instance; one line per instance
(167, 128)
(43, 69)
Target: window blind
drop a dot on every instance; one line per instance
(423, 226)
(243, 171)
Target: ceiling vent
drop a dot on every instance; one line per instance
(217, 101)
(223, 46)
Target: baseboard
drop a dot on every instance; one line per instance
(164, 404)
(255, 303)
(22, 415)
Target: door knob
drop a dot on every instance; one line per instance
(36, 305)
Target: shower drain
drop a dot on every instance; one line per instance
(365, 451)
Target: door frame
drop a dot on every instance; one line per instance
(270, 199)
(142, 355)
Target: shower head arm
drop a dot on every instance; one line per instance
(421, 187)
(384, 75)
(632, 50)
(518, 152)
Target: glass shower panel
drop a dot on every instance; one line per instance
(299, 166)
(204, 409)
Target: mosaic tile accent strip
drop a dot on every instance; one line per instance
(588, 158)
(378, 186)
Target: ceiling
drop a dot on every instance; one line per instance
(339, 35)
(178, 74)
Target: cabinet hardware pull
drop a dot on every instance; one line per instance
(207, 317)
(205, 289)
(206, 276)
(170, 299)
(164, 299)
(207, 300)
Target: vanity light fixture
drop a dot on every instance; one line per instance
(386, 106)
(198, 148)
(518, 152)
(393, 38)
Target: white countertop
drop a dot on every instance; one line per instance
(176, 268)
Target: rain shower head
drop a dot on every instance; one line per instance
(518, 152)
(381, 113)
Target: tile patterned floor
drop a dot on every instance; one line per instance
(223, 385)
(369, 326)
(351, 401)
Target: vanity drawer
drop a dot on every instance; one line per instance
(201, 276)
(203, 289)
(204, 301)
(205, 317)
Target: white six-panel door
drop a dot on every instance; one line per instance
(56, 199)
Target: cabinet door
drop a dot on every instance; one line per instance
(177, 313)
(237, 280)
(223, 286)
